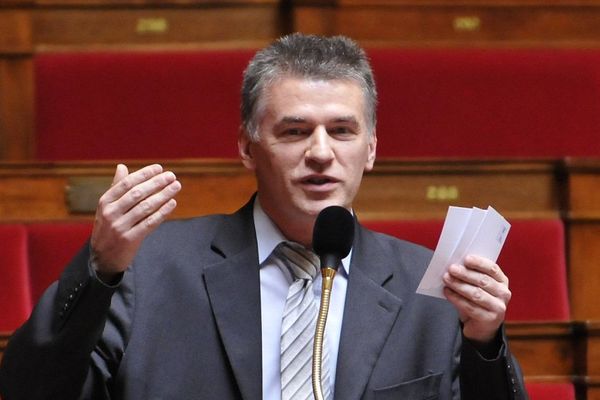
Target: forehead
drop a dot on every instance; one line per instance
(316, 98)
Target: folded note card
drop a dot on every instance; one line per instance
(465, 231)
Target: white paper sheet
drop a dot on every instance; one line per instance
(466, 231)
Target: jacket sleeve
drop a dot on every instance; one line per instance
(497, 378)
(58, 353)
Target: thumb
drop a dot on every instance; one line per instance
(120, 173)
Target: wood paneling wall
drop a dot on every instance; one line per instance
(395, 189)
(454, 22)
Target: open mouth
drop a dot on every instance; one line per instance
(318, 181)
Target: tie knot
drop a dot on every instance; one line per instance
(299, 261)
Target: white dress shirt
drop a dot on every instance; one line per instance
(273, 292)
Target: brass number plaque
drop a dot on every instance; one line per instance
(442, 193)
(466, 23)
(82, 193)
(152, 25)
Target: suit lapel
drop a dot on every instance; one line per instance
(368, 305)
(233, 287)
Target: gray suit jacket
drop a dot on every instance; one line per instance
(184, 323)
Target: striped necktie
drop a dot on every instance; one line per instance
(299, 322)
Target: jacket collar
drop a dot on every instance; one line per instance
(233, 286)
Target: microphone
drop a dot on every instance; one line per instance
(333, 235)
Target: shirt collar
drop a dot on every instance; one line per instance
(268, 236)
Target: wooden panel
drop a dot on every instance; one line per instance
(462, 23)
(584, 269)
(546, 351)
(425, 189)
(592, 357)
(16, 87)
(179, 27)
(584, 237)
(15, 31)
(16, 108)
(31, 192)
(584, 189)
(396, 189)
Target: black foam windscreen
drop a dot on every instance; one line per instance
(333, 235)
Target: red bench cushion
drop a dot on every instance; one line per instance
(488, 102)
(138, 105)
(433, 103)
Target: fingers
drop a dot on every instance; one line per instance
(135, 204)
(486, 266)
(153, 200)
(120, 173)
(476, 299)
(137, 196)
(124, 182)
(479, 280)
(479, 291)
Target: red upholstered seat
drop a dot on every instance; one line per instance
(550, 391)
(533, 258)
(433, 103)
(138, 105)
(488, 102)
(51, 247)
(15, 297)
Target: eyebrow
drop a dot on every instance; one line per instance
(292, 120)
(300, 120)
(346, 119)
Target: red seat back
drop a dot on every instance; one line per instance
(550, 391)
(488, 102)
(51, 247)
(433, 103)
(138, 105)
(15, 296)
(533, 258)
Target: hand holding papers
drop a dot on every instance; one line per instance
(466, 231)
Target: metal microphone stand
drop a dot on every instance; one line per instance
(328, 274)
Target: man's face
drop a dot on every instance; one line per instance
(313, 148)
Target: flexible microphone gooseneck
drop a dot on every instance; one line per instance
(333, 235)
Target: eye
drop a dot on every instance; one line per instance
(295, 132)
(340, 130)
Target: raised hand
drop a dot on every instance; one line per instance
(133, 207)
(479, 291)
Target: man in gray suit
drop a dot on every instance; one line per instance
(193, 309)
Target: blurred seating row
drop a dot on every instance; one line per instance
(433, 103)
(34, 254)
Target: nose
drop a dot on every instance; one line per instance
(319, 149)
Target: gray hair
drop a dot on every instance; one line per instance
(309, 57)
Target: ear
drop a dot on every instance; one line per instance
(372, 152)
(244, 149)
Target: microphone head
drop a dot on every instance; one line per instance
(333, 235)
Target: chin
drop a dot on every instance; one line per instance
(315, 207)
